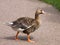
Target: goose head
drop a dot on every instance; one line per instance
(39, 11)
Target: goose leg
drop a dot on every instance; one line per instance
(29, 40)
(17, 35)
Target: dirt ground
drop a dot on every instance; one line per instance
(47, 34)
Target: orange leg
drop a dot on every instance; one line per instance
(17, 35)
(29, 40)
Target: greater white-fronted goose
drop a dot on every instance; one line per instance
(26, 25)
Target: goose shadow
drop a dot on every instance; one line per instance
(20, 38)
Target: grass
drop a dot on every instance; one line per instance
(55, 3)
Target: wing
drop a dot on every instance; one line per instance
(24, 26)
(21, 26)
(23, 23)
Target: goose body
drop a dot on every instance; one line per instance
(26, 25)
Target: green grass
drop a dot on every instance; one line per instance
(55, 3)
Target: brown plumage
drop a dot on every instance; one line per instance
(26, 25)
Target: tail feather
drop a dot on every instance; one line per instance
(9, 23)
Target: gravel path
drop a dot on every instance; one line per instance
(47, 34)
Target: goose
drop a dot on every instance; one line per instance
(26, 25)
